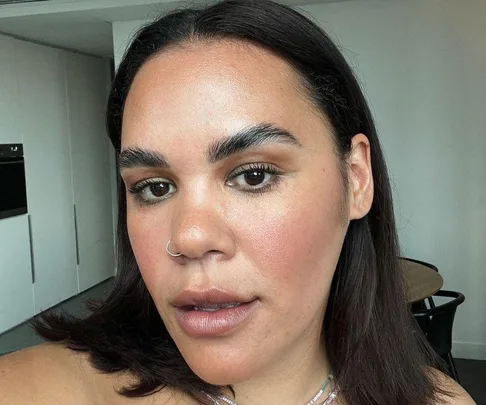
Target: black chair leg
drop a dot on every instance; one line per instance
(452, 366)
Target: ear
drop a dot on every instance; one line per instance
(360, 177)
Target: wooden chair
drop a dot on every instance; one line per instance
(421, 305)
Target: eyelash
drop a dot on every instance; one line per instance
(263, 167)
(138, 188)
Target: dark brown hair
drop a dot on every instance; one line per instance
(376, 356)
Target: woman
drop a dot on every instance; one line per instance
(257, 246)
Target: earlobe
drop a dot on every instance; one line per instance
(360, 177)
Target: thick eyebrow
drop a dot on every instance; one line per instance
(249, 137)
(246, 138)
(138, 157)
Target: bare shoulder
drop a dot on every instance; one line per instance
(44, 374)
(460, 396)
(51, 374)
(110, 385)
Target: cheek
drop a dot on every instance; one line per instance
(147, 234)
(296, 243)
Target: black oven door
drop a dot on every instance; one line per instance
(13, 195)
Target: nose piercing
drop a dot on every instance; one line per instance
(169, 252)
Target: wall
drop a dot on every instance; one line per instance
(422, 64)
(123, 31)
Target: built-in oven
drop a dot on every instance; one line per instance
(13, 194)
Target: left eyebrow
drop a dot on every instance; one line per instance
(251, 136)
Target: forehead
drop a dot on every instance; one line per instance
(208, 89)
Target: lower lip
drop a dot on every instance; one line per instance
(216, 323)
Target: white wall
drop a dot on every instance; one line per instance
(123, 31)
(422, 64)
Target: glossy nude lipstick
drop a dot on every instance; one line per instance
(212, 313)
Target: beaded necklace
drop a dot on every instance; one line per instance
(222, 400)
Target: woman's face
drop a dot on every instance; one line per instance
(226, 158)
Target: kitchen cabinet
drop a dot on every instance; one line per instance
(16, 288)
(44, 126)
(9, 131)
(53, 102)
(86, 83)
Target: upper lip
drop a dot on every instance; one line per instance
(211, 296)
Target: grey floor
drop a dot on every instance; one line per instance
(471, 372)
(23, 336)
(473, 378)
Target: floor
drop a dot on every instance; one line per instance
(471, 372)
(23, 336)
(473, 378)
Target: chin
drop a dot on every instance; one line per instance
(217, 375)
(221, 367)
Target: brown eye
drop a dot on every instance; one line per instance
(152, 191)
(254, 177)
(159, 189)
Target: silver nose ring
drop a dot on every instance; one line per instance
(169, 252)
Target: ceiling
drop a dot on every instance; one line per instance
(86, 25)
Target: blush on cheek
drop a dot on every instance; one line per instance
(299, 244)
(147, 244)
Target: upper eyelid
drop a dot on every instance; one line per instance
(258, 166)
(137, 186)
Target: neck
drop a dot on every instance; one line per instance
(294, 379)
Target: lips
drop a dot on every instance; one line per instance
(206, 298)
(212, 313)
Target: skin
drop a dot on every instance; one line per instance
(281, 246)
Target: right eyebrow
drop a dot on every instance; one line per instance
(249, 137)
(138, 157)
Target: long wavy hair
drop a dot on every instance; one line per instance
(375, 352)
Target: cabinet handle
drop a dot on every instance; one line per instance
(32, 262)
(76, 234)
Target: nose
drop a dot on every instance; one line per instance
(199, 230)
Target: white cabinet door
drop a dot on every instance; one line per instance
(44, 124)
(86, 81)
(9, 131)
(16, 295)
